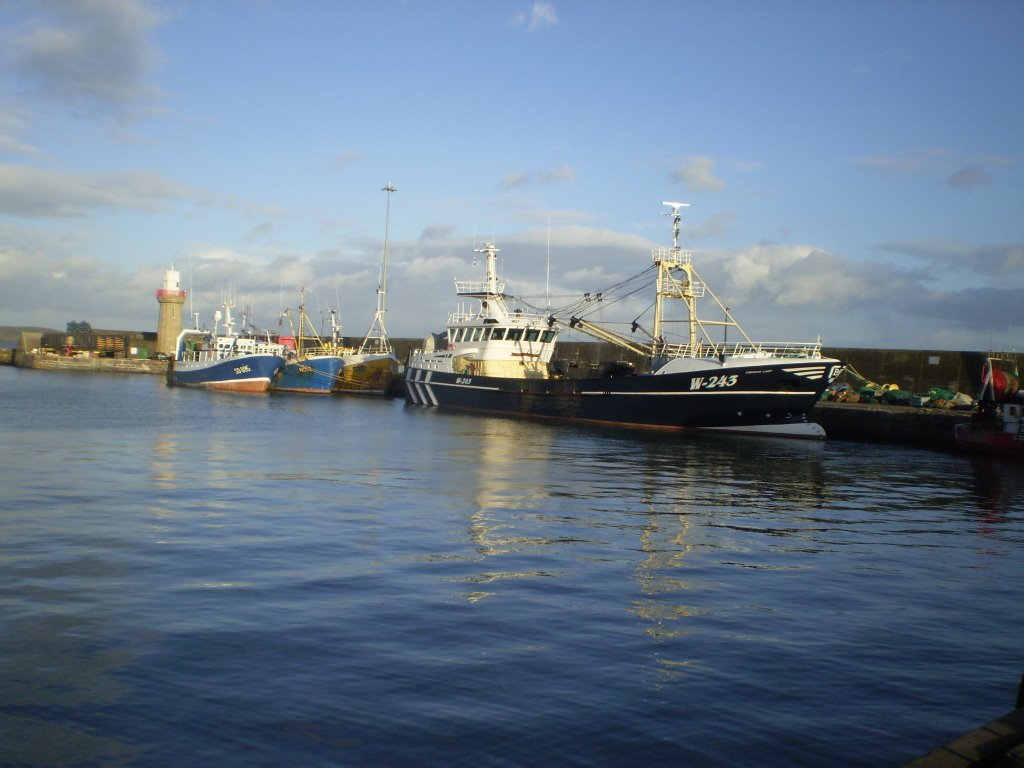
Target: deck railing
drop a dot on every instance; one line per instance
(763, 349)
(477, 287)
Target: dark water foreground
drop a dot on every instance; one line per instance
(189, 578)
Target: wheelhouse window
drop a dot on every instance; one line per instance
(497, 334)
(532, 334)
(547, 337)
(514, 334)
(476, 334)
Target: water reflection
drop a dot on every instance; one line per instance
(510, 466)
(998, 489)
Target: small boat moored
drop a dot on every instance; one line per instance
(997, 427)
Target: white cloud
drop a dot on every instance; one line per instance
(562, 173)
(12, 122)
(92, 56)
(906, 162)
(344, 160)
(36, 193)
(11, 146)
(429, 267)
(697, 174)
(513, 180)
(996, 264)
(541, 15)
(969, 176)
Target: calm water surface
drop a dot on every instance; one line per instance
(191, 578)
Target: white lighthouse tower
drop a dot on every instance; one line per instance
(172, 301)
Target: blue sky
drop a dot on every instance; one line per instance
(855, 170)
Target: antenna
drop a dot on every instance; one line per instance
(675, 221)
(547, 278)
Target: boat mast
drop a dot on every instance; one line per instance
(492, 251)
(377, 332)
(302, 321)
(671, 288)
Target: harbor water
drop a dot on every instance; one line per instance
(193, 578)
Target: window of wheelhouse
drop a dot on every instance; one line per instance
(532, 334)
(476, 334)
(497, 334)
(514, 334)
(547, 337)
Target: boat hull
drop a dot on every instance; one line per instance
(245, 373)
(765, 398)
(367, 374)
(980, 439)
(317, 375)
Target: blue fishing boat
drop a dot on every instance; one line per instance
(225, 361)
(315, 366)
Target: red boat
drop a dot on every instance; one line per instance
(998, 425)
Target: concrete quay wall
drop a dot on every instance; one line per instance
(898, 424)
(47, 362)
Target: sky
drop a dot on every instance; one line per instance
(855, 171)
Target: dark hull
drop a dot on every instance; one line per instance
(765, 399)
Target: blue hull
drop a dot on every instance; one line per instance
(245, 373)
(313, 375)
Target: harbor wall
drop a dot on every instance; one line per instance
(51, 362)
(912, 370)
(898, 424)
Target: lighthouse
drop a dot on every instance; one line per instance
(172, 300)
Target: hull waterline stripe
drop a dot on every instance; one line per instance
(764, 430)
(699, 392)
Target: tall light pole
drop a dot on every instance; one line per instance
(384, 265)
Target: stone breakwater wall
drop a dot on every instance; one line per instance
(46, 362)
